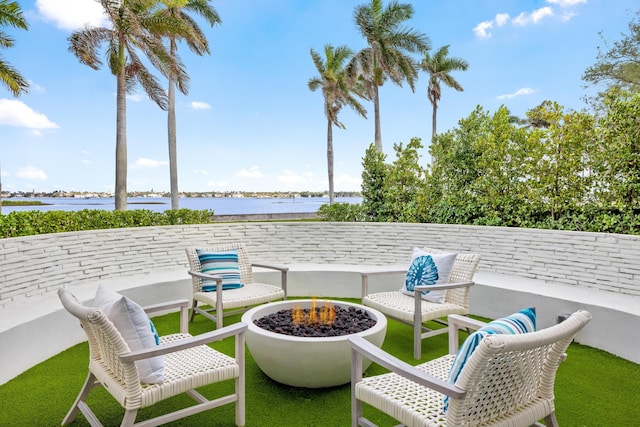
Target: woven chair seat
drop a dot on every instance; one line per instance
(183, 363)
(401, 306)
(233, 301)
(507, 381)
(409, 402)
(250, 294)
(184, 370)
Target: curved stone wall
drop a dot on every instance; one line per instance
(38, 265)
(554, 270)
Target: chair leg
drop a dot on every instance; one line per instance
(417, 328)
(550, 420)
(89, 383)
(193, 311)
(240, 386)
(129, 418)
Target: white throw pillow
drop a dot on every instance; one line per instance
(444, 263)
(135, 327)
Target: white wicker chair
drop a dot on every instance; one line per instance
(416, 311)
(238, 300)
(507, 381)
(189, 364)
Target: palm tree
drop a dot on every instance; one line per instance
(439, 66)
(11, 15)
(197, 42)
(135, 26)
(338, 90)
(387, 55)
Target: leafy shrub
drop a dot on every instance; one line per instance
(29, 223)
(342, 212)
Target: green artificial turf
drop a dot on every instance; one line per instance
(593, 388)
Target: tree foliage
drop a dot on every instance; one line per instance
(11, 15)
(388, 54)
(618, 64)
(134, 27)
(177, 11)
(439, 67)
(338, 90)
(571, 170)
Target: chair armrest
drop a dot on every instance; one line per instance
(283, 273)
(443, 286)
(457, 322)
(279, 267)
(364, 274)
(394, 270)
(465, 322)
(237, 329)
(182, 304)
(168, 305)
(361, 346)
(201, 275)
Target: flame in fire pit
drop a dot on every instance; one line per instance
(323, 315)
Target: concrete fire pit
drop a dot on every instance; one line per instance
(310, 362)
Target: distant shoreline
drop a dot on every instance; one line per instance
(220, 205)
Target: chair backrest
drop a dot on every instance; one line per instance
(513, 374)
(463, 270)
(105, 342)
(246, 273)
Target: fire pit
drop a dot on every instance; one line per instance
(307, 361)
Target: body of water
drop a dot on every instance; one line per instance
(220, 206)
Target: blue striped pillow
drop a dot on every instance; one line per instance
(223, 264)
(518, 323)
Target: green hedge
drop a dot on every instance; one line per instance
(29, 223)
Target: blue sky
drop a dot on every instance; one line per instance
(249, 122)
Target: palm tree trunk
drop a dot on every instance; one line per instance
(171, 125)
(330, 159)
(433, 121)
(121, 142)
(376, 109)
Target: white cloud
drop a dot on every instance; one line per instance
(197, 105)
(144, 163)
(254, 172)
(519, 92)
(35, 88)
(17, 113)
(502, 19)
(290, 178)
(534, 17)
(480, 30)
(217, 184)
(72, 14)
(348, 182)
(523, 19)
(566, 3)
(31, 172)
(135, 97)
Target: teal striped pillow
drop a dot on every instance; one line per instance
(223, 264)
(518, 323)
